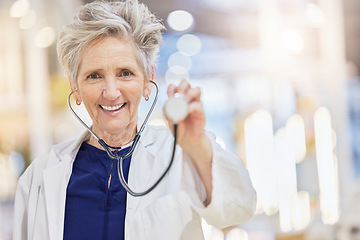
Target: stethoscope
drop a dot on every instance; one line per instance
(176, 109)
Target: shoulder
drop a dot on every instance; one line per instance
(157, 133)
(156, 138)
(52, 156)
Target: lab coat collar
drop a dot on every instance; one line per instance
(72, 149)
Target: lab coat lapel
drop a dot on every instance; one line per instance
(56, 178)
(147, 165)
(140, 174)
(55, 184)
(143, 163)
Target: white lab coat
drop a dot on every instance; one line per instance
(173, 210)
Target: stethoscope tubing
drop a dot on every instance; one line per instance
(139, 194)
(132, 148)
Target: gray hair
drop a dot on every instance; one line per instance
(127, 19)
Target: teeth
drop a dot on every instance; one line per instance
(112, 108)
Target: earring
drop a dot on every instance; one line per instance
(147, 98)
(78, 102)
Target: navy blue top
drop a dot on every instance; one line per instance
(94, 209)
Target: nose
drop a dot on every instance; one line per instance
(111, 89)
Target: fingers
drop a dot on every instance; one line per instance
(192, 94)
(196, 110)
(183, 87)
(171, 90)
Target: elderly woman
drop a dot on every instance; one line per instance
(73, 191)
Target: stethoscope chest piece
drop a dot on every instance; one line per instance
(177, 107)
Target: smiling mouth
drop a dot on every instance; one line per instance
(112, 108)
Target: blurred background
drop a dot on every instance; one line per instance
(281, 90)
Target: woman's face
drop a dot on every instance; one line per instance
(111, 84)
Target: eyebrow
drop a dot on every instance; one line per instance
(90, 72)
(125, 67)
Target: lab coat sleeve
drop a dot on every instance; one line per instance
(233, 198)
(20, 225)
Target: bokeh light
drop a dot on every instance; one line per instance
(180, 59)
(180, 20)
(19, 8)
(293, 40)
(314, 15)
(189, 44)
(45, 37)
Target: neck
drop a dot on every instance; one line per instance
(113, 139)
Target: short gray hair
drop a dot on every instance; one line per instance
(126, 19)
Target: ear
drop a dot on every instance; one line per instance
(148, 86)
(71, 83)
(147, 89)
(152, 74)
(73, 87)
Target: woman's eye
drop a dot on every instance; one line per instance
(94, 76)
(126, 73)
